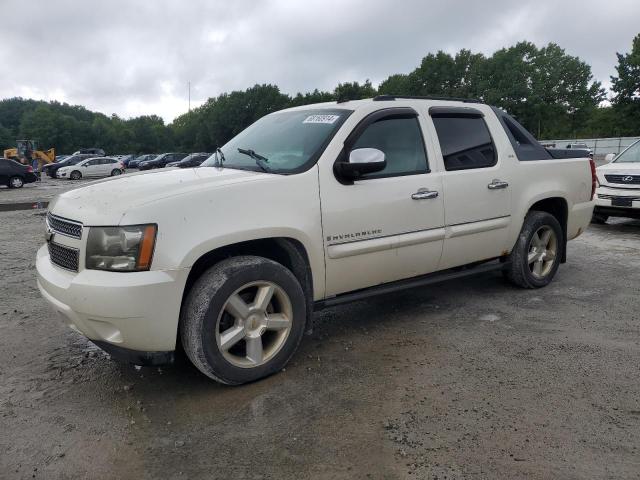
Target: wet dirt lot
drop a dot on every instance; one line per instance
(467, 379)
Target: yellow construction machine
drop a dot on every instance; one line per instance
(27, 151)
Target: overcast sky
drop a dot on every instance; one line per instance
(135, 57)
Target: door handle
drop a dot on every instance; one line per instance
(423, 194)
(497, 184)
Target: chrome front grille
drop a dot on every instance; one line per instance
(65, 257)
(65, 227)
(623, 179)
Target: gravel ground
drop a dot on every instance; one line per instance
(42, 191)
(467, 379)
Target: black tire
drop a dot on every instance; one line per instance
(205, 304)
(16, 182)
(599, 219)
(520, 272)
(115, 172)
(75, 175)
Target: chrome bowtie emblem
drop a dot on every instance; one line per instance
(628, 178)
(48, 235)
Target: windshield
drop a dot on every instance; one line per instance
(283, 142)
(630, 155)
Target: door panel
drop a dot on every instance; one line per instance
(107, 167)
(478, 205)
(376, 233)
(383, 227)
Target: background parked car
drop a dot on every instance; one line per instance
(141, 158)
(580, 146)
(125, 159)
(161, 160)
(618, 192)
(92, 167)
(52, 168)
(192, 160)
(14, 174)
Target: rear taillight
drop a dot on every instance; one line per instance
(30, 169)
(594, 177)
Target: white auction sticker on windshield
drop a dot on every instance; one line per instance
(321, 119)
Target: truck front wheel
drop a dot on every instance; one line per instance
(537, 253)
(243, 319)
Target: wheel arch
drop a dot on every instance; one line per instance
(558, 207)
(286, 251)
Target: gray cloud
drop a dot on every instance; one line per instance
(136, 57)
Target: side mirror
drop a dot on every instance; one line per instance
(609, 157)
(361, 161)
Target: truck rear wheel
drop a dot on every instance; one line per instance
(243, 319)
(536, 255)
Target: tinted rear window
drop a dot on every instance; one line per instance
(465, 142)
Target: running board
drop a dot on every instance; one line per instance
(430, 278)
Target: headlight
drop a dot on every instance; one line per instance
(121, 249)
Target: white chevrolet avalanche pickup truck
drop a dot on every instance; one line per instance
(307, 208)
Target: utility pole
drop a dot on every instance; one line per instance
(189, 96)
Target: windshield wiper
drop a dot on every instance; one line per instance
(261, 161)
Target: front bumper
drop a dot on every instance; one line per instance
(136, 311)
(605, 198)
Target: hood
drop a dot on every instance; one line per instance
(614, 168)
(106, 201)
(633, 168)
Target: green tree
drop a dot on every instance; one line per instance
(397, 84)
(353, 91)
(550, 92)
(626, 87)
(441, 74)
(6, 138)
(311, 97)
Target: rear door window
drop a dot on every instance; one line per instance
(465, 142)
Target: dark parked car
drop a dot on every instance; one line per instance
(52, 168)
(125, 159)
(190, 161)
(142, 158)
(161, 160)
(14, 174)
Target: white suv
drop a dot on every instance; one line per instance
(92, 168)
(618, 193)
(307, 208)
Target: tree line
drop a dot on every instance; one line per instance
(552, 94)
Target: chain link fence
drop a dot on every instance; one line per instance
(599, 146)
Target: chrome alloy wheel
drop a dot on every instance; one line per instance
(543, 249)
(254, 324)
